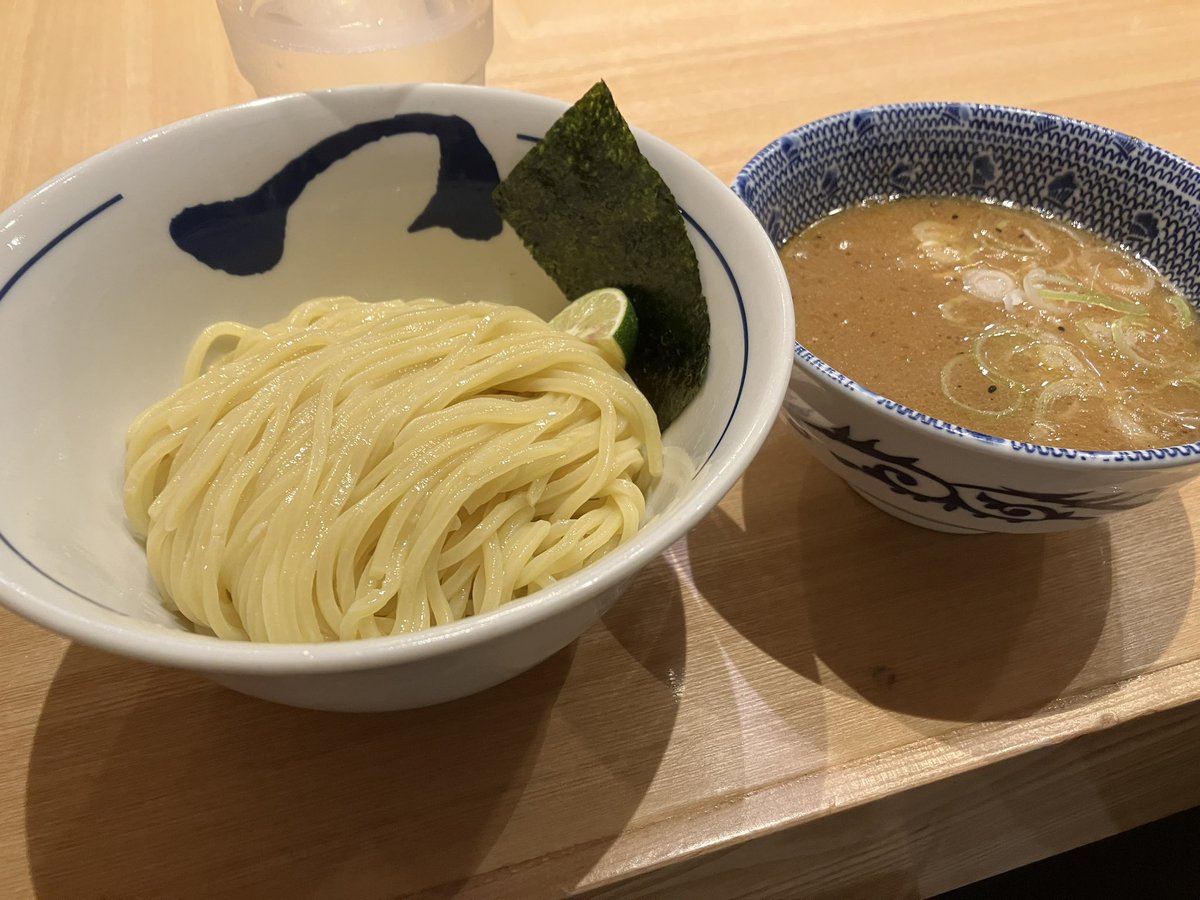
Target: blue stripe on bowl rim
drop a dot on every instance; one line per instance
(33, 260)
(1177, 454)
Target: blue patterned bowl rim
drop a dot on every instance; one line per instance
(1158, 457)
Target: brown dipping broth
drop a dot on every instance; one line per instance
(1001, 320)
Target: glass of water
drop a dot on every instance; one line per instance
(282, 46)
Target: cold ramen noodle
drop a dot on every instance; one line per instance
(1001, 320)
(366, 469)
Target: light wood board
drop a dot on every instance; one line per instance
(803, 697)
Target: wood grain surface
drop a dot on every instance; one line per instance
(802, 698)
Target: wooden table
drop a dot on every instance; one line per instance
(804, 697)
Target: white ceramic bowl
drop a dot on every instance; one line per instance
(934, 473)
(98, 306)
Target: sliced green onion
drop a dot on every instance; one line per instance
(988, 284)
(962, 377)
(939, 243)
(1034, 283)
(1128, 422)
(1124, 332)
(1057, 355)
(1079, 388)
(1097, 332)
(1184, 311)
(956, 310)
(1177, 402)
(1093, 299)
(1112, 271)
(1028, 246)
(1022, 357)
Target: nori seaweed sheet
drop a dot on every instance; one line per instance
(594, 213)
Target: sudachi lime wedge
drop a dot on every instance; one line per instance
(605, 319)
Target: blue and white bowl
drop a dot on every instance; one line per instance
(934, 473)
(110, 271)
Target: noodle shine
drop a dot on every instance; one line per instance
(366, 469)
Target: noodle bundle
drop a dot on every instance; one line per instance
(367, 469)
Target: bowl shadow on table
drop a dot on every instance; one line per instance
(937, 626)
(153, 783)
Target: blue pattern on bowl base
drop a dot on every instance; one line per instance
(1115, 185)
